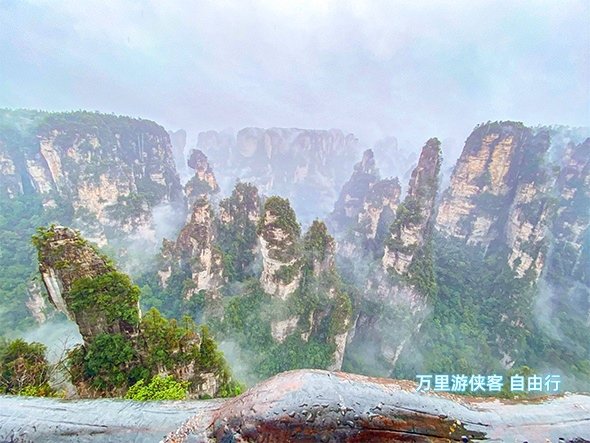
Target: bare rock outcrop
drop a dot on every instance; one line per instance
(203, 183)
(392, 301)
(104, 173)
(414, 217)
(294, 163)
(336, 406)
(499, 193)
(365, 209)
(195, 253)
(119, 342)
(300, 274)
(66, 263)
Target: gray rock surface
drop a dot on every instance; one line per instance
(302, 406)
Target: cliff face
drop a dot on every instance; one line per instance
(365, 209)
(66, 261)
(178, 142)
(278, 233)
(568, 259)
(10, 181)
(195, 253)
(392, 303)
(106, 173)
(294, 163)
(570, 225)
(499, 193)
(120, 345)
(203, 182)
(414, 217)
(330, 317)
(352, 198)
(317, 309)
(236, 226)
(36, 302)
(300, 275)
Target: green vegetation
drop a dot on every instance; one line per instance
(421, 273)
(278, 214)
(248, 321)
(111, 295)
(111, 364)
(122, 349)
(106, 365)
(237, 237)
(465, 332)
(197, 187)
(19, 218)
(129, 207)
(287, 273)
(317, 242)
(159, 388)
(320, 304)
(24, 370)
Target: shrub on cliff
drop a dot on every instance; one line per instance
(159, 388)
(24, 369)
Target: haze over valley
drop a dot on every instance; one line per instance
(197, 198)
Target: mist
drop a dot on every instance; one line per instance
(58, 334)
(412, 70)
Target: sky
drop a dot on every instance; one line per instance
(411, 69)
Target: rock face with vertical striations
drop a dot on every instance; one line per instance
(294, 163)
(178, 142)
(104, 173)
(572, 219)
(195, 253)
(311, 304)
(568, 259)
(278, 233)
(500, 193)
(393, 301)
(352, 197)
(414, 217)
(309, 301)
(365, 209)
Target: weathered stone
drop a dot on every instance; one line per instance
(203, 183)
(313, 405)
(364, 210)
(413, 220)
(499, 193)
(293, 163)
(105, 173)
(195, 250)
(65, 258)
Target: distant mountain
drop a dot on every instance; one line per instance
(306, 166)
(111, 177)
(488, 276)
(104, 173)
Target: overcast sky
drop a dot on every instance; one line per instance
(414, 69)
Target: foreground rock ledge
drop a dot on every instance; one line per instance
(321, 406)
(300, 406)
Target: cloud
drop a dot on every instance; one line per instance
(410, 69)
